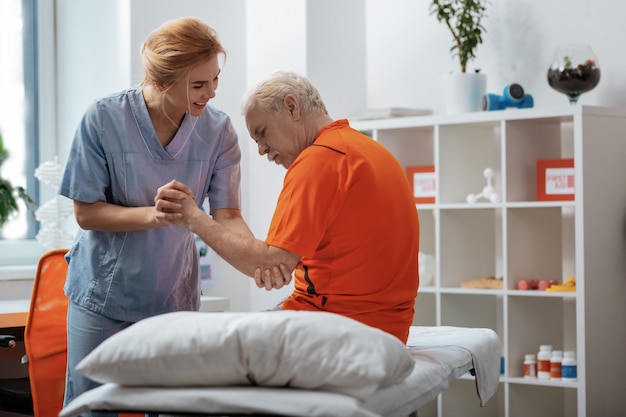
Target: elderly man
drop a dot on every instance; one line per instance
(345, 221)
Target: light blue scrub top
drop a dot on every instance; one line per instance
(116, 157)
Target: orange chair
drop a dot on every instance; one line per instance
(45, 336)
(45, 342)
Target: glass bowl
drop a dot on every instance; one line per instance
(574, 70)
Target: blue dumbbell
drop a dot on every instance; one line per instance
(512, 96)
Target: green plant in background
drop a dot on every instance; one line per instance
(9, 194)
(463, 18)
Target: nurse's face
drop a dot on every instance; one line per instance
(191, 94)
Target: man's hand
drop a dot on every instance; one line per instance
(276, 278)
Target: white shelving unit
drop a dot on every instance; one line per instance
(522, 238)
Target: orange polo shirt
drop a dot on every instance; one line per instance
(347, 208)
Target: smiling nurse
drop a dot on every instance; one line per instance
(125, 264)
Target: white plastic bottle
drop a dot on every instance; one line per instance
(530, 366)
(555, 365)
(543, 361)
(569, 367)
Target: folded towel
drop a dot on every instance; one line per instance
(483, 344)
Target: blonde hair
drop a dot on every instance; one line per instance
(269, 93)
(171, 50)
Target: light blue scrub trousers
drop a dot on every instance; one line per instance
(85, 331)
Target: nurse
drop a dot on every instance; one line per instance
(125, 264)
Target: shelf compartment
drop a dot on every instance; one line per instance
(526, 142)
(471, 244)
(469, 310)
(540, 244)
(535, 321)
(464, 174)
(541, 401)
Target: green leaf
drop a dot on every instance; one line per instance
(9, 194)
(463, 19)
(8, 203)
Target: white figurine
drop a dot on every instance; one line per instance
(52, 213)
(489, 191)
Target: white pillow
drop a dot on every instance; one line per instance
(300, 349)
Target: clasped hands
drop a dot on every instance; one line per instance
(174, 203)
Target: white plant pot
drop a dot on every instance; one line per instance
(463, 93)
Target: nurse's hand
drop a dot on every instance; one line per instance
(169, 202)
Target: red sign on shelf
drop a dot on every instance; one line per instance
(423, 183)
(555, 180)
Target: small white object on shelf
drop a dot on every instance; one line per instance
(489, 191)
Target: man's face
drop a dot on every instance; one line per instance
(277, 134)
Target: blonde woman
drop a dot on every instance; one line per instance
(125, 264)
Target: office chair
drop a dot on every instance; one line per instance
(45, 335)
(45, 342)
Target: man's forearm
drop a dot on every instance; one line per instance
(242, 251)
(233, 220)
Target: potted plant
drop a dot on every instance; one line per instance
(9, 195)
(463, 91)
(464, 20)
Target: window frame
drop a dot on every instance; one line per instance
(31, 84)
(39, 75)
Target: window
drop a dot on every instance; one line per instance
(22, 31)
(18, 107)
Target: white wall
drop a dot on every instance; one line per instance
(408, 49)
(360, 53)
(275, 37)
(88, 64)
